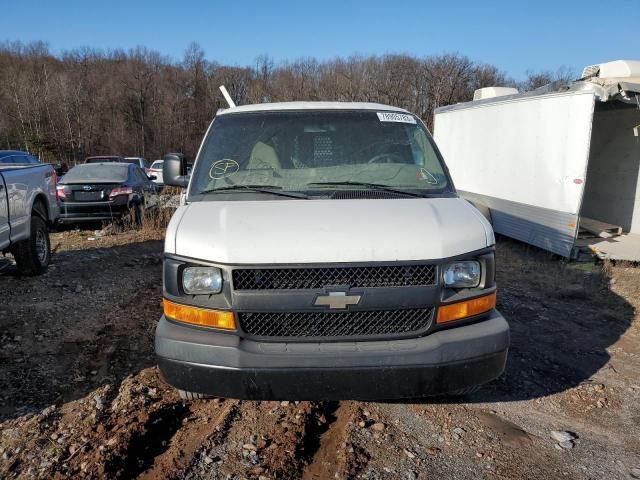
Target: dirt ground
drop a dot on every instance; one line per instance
(80, 395)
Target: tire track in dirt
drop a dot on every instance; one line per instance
(206, 423)
(326, 461)
(147, 441)
(268, 439)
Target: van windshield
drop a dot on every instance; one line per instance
(319, 150)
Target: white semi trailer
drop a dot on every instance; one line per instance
(557, 167)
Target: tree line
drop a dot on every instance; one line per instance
(140, 103)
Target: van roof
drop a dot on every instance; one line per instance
(283, 106)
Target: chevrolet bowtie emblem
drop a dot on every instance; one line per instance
(337, 300)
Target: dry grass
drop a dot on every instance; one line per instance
(148, 223)
(172, 191)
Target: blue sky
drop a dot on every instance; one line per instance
(515, 36)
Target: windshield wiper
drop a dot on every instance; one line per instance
(268, 189)
(374, 186)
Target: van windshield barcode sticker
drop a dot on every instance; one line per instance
(395, 117)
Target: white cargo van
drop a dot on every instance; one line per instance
(322, 252)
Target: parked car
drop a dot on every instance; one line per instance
(102, 191)
(104, 159)
(322, 252)
(16, 157)
(28, 208)
(61, 169)
(141, 162)
(156, 171)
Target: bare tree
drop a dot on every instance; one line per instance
(137, 102)
(541, 78)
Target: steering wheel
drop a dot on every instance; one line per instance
(386, 158)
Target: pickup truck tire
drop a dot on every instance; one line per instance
(33, 254)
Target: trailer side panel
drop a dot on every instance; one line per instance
(524, 158)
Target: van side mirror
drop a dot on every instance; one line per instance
(174, 170)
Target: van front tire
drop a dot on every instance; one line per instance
(33, 254)
(464, 391)
(184, 395)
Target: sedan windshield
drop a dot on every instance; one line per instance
(319, 150)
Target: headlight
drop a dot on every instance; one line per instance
(201, 280)
(462, 274)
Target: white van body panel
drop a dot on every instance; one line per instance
(327, 231)
(172, 228)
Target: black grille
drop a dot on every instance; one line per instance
(315, 278)
(335, 324)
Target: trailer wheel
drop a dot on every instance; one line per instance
(33, 254)
(192, 395)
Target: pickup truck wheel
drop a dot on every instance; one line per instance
(192, 395)
(33, 254)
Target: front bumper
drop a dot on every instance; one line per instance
(224, 365)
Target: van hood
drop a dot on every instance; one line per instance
(326, 231)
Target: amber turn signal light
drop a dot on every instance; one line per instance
(199, 316)
(468, 308)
